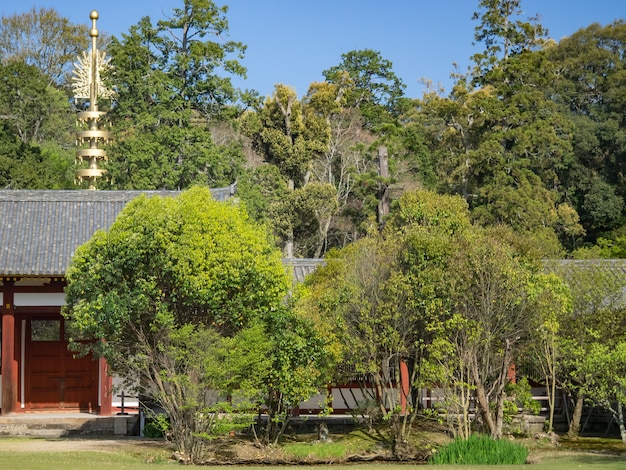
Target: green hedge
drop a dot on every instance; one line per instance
(481, 450)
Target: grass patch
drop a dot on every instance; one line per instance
(316, 450)
(566, 462)
(594, 444)
(84, 460)
(340, 446)
(481, 450)
(35, 453)
(15, 453)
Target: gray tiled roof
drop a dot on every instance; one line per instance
(614, 269)
(601, 278)
(39, 230)
(301, 267)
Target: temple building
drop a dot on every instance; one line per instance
(39, 233)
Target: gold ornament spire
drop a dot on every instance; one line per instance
(90, 137)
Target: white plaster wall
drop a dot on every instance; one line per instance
(131, 400)
(430, 398)
(43, 299)
(352, 397)
(316, 402)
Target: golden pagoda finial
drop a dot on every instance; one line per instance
(87, 85)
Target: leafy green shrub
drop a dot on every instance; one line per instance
(522, 397)
(157, 425)
(481, 450)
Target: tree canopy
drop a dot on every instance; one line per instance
(531, 136)
(173, 79)
(455, 303)
(44, 39)
(172, 261)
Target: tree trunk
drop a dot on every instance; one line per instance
(465, 394)
(273, 415)
(323, 233)
(482, 401)
(483, 407)
(551, 384)
(499, 417)
(549, 370)
(288, 251)
(574, 426)
(503, 379)
(620, 420)
(380, 394)
(383, 171)
(289, 242)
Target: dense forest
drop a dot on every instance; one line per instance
(533, 137)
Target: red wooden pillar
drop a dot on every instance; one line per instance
(404, 384)
(105, 393)
(9, 361)
(511, 374)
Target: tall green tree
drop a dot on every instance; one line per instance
(172, 80)
(359, 290)
(553, 300)
(347, 164)
(35, 110)
(289, 134)
(593, 380)
(370, 85)
(160, 291)
(608, 387)
(590, 86)
(370, 99)
(44, 39)
(500, 140)
(502, 35)
(503, 156)
(27, 166)
(490, 291)
(383, 294)
(595, 317)
(302, 359)
(197, 59)
(186, 271)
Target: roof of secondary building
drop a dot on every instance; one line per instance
(302, 267)
(40, 230)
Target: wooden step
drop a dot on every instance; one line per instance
(65, 425)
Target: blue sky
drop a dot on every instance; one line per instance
(294, 41)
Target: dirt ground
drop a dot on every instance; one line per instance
(241, 451)
(231, 451)
(34, 444)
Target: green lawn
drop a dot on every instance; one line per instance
(104, 460)
(73, 460)
(586, 462)
(53, 454)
